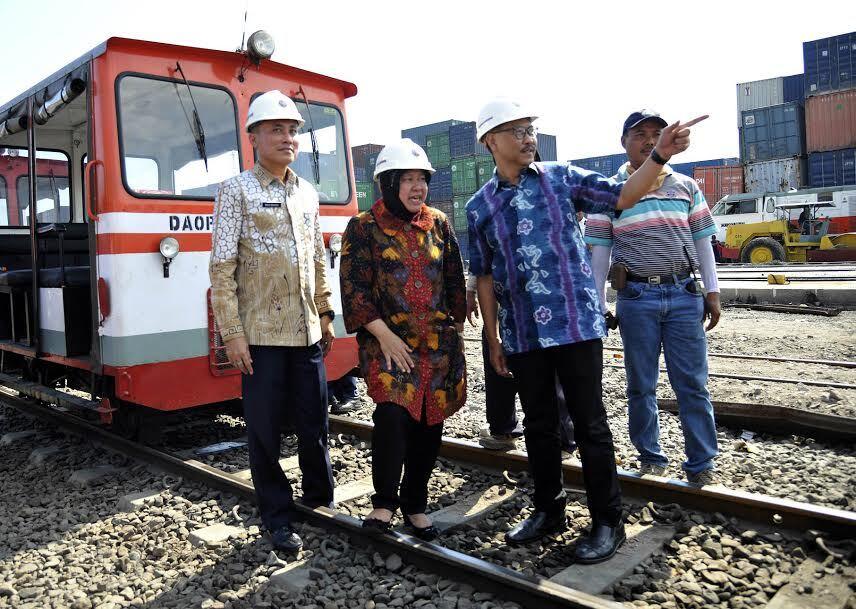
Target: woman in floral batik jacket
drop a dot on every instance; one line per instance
(403, 293)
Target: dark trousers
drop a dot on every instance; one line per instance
(500, 392)
(579, 367)
(288, 383)
(344, 388)
(400, 441)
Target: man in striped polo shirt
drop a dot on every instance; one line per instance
(659, 243)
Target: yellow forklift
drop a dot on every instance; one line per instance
(784, 239)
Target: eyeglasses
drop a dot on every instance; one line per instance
(520, 132)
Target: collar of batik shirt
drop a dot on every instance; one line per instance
(266, 178)
(389, 222)
(626, 170)
(498, 182)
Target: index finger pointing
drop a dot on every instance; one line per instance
(694, 121)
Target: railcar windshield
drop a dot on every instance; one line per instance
(160, 155)
(334, 186)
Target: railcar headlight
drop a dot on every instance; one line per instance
(260, 46)
(169, 247)
(336, 243)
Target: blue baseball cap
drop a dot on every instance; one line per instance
(641, 116)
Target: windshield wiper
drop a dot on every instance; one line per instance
(196, 125)
(316, 169)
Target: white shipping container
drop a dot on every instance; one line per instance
(759, 94)
(778, 175)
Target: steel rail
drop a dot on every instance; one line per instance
(756, 508)
(775, 419)
(766, 379)
(770, 358)
(529, 591)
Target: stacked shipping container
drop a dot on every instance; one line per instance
(830, 109)
(789, 125)
(364, 158)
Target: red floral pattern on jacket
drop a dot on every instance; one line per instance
(410, 275)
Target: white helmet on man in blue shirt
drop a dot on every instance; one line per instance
(499, 111)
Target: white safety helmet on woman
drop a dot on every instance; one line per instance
(499, 111)
(273, 106)
(403, 155)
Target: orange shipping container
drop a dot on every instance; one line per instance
(717, 181)
(830, 121)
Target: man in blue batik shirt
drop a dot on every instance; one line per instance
(534, 279)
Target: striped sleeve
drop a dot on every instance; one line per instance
(701, 221)
(599, 230)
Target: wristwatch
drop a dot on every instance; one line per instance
(331, 314)
(655, 156)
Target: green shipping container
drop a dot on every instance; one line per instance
(460, 204)
(437, 149)
(484, 169)
(365, 195)
(464, 176)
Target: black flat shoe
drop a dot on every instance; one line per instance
(375, 524)
(601, 544)
(286, 539)
(429, 533)
(344, 406)
(536, 526)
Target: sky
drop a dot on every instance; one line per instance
(583, 66)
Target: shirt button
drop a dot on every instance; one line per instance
(415, 254)
(422, 316)
(417, 283)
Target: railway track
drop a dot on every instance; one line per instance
(766, 358)
(763, 379)
(509, 584)
(769, 418)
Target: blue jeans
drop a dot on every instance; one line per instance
(669, 315)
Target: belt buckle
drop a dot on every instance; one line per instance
(654, 280)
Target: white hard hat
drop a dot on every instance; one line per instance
(273, 105)
(498, 111)
(403, 154)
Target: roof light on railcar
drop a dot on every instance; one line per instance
(260, 46)
(169, 250)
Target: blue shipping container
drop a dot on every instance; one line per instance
(547, 147)
(832, 168)
(420, 134)
(607, 165)
(793, 88)
(830, 64)
(440, 187)
(775, 132)
(462, 141)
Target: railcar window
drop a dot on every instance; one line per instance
(334, 186)
(53, 192)
(162, 151)
(4, 207)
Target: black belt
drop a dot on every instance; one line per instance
(659, 279)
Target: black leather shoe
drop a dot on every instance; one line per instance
(377, 525)
(286, 539)
(344, 406)
(429, 533)
(601, 544)
(536, 526)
